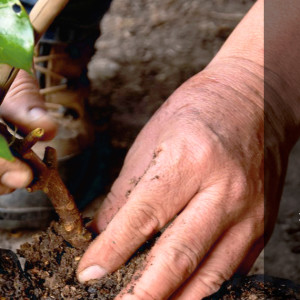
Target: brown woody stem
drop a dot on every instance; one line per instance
(23, 145)
(48, 180)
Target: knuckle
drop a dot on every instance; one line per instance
(112, 198)
(257, 225)
(182, 259)
(209, 281)
(143, 219)
(142, 294)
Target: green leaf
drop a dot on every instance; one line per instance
(4, 150)
(16, 35)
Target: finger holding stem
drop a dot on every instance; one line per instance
(48, 180)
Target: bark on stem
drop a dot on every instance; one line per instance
(48, 180)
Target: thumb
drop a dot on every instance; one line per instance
(24, 107)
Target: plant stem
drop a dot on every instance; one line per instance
(48, 180)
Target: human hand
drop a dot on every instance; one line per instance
(202, 164)
(200, 160)
(198, 164)
(23, 107)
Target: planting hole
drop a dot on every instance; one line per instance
(16, 8)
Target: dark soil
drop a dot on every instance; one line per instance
(257, 287)
(50, 272)
(14, 284)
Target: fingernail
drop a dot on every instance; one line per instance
(37, 113)
(16, 179)
(92, 272)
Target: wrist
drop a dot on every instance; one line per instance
(282, 68)
(239, 88)
(282, 109)
(227, 98)
(270, 92)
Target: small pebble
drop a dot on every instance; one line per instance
(92, 290)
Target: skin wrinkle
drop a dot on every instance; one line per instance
(273, 79)
(245, 59)
(225, 141)
(21, 90)
(149, 296)
(251, 88)
(238, 63)
(167, 181)
(213, 180)
(274, 118)
(235, 64)
(24, 85)
(171, 269)
(196, 290)
(190, 257)
(193, 111)
(149, 223)
(215, 278)
(207, 172)
(239, 94)
(238, 188)
(206, 89)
